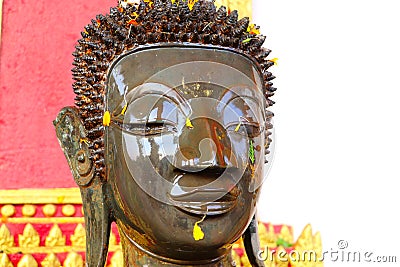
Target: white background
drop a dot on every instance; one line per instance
(337, 155)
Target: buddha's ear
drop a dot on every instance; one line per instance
(71, 135)
(251, 242)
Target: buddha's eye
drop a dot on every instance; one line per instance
(242, 115)
(150, 115)
(245, 128)
(147, 128)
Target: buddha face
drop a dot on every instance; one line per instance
(185, 147)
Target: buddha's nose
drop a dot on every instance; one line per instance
(202, 145)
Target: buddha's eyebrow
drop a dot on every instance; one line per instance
(230, 96)
(161, 90)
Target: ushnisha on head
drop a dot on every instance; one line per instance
(170, 131)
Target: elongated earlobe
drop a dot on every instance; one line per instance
(72, 138)
(98, 223)
(252, 243)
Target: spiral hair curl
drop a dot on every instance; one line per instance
(131, 25)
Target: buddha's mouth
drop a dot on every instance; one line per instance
(190, 204)
(205, 200)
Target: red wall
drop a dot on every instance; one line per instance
(38, 37)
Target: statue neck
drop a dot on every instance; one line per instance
(136, 256)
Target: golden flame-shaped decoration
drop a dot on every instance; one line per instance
(29, 238)
(305, 241)
(117, 260)
(51, 260)
(267, 260)
(262, 229)
(55, 237)
(113, 239)
(305, 256)
(78, 239)
(5, 261)
(73, 260)
(281, 257)
(236, 258)
(245, 262)
(286, 234)
(317, 242)
(6, 239)
(27, 261)
(306, 252)
(270, 258)
(238, 244)
(267, 236)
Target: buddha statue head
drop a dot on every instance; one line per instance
(170, 133)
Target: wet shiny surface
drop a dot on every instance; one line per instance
(182, 141)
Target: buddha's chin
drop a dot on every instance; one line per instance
(174, 253)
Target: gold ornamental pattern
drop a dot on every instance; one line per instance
(23, 242)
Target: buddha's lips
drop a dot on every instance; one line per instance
(206, 201)
(207, 192)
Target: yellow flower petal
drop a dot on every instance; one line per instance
(134, 15)
(106, 118)
(124, 110)
(197, 232)
(84, 140)
(238, 127)
(189, 124)
(253, 29)
(191, 4)
(275, 60)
